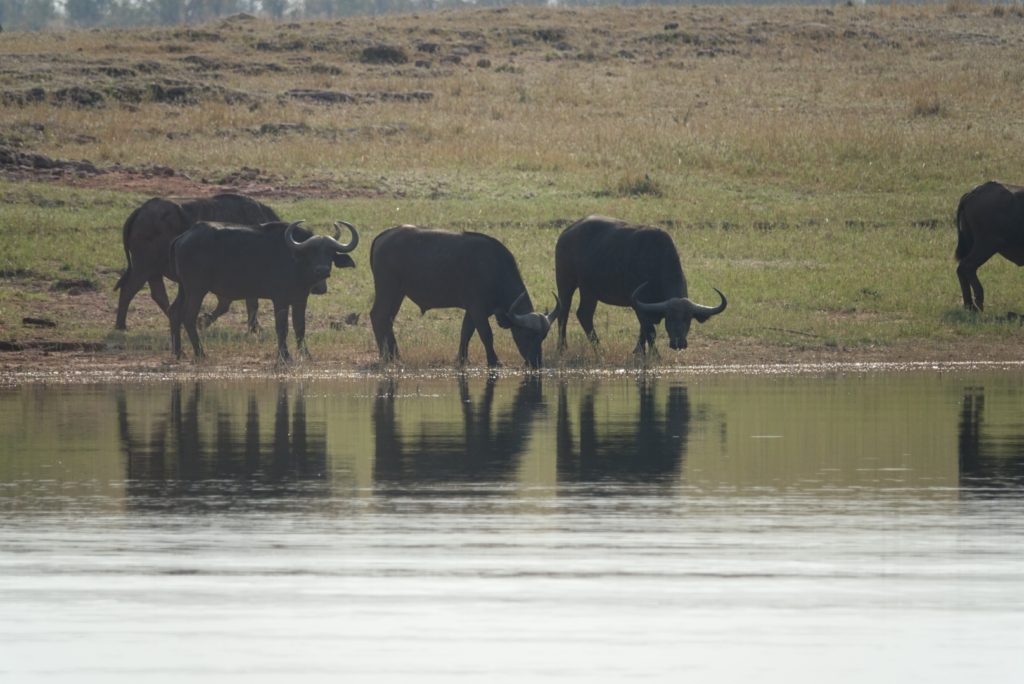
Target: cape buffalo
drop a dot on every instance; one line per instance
(617, 263)
(264, 262)
(438, 269)
(989, 220)
(147, 235)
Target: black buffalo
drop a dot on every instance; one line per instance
(149, 231)
(266, 262)
(625, 265)
(989, 220)
(438, 269)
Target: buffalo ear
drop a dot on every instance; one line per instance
(343, 261)
(503, 319)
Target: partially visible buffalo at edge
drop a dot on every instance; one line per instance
(989, 221)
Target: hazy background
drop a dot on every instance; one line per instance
(35, 15)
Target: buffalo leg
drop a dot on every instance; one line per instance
(299, 326)
(646, 338)
(188, 314)
(565, 293)
(159, 293)
(281, 328)
(967, 272)
(483, 328)
(251, 309)
(468, 328)
(382, 317)
(585, 315)
(174, 316)
(130, 286)
(223, 306)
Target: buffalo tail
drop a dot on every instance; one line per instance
(964, 239)
(125, 232)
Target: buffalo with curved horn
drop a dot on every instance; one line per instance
(265, 262)
(437, 269)
(613, 262)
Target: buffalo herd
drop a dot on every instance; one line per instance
(238, 248)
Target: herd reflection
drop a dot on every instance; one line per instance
(484, 447)
(989, 457)
(201, 438)
(650, 446)
(589, 431)
(199, 435)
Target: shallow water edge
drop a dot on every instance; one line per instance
(92, 371)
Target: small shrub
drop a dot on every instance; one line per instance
(384, 54)
(634, 186)
(928, 105)
(961, 6)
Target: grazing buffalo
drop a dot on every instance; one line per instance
(437, 269)
(264, 262)
(147, 235)
(625, 265)
(989, 220)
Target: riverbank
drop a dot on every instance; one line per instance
(77, 367)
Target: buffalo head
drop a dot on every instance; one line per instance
(678, 313)
(528, 330)
(318, 253)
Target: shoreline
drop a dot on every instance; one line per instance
(81, 369)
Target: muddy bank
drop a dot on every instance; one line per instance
(155, 179)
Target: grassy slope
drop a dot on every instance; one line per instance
(806, 160)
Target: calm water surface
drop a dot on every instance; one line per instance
(824, 527)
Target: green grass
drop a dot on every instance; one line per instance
(792, 284)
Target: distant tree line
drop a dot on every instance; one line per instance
(35, 15)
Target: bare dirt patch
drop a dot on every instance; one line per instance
(161, 180)
(83, 361)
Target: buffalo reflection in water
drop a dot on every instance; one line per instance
(482, 448)
(183, 445)
(648, 447)
(987, 458)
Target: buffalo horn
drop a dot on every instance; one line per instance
(292, 242)
(703, 313)
(655, 308)
(522, 320)
(337, 234)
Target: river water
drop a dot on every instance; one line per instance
(842, 526)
